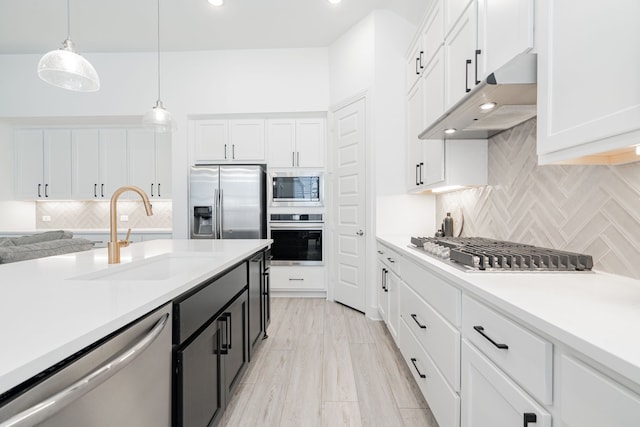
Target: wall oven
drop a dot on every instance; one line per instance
(297, 239)
(296, 188)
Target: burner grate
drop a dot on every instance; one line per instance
(480, 253)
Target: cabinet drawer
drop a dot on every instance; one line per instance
(297, 278)
(492, 399)
(434, 290)
(523, 355)
(437, 336)
(443, 401)
(389, 258)
(589, 399)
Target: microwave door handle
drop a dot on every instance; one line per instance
(46, 408)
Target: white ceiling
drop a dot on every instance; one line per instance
(37, 26)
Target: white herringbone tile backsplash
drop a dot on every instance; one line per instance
(589, 209)
(95, 214)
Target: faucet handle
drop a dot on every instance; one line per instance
(126, 242)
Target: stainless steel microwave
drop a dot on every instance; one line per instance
(293, 188)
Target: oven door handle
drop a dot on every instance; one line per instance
(312, 226)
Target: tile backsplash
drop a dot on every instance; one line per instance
(95, 214)
(590, 209)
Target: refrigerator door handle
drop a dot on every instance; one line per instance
(220, 216)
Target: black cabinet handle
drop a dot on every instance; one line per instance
(415, 319)
(420, 59)
(421, 166)
(95, 190)
(417, 173)
(233, 151)
(101, 190)
(293, 158)
(152, 189)
(229, 334)
(223, 345)
(529, 417)
(466, 76)
(225, 151)
(480, 330)
(380, 252)
(417, 63)
(478, 52)
(39, 188)
(159, 190)
(46, 190)
(391, 260)
(414, 360)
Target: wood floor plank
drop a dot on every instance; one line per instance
(264, 407)
(404, 388)
(377, 405)
(341, 414)
(303, 402)
(357, 327)
(338, 381)
(418, 418)
(240, 399)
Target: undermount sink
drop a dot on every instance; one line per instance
(160, 267)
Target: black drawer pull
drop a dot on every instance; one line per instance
(529, 417)
(466, 76)
(480, 330)
(414, 360)
(415, 319)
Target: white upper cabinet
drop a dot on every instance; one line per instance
(99, 162)
(432, 34)
(588, 97)
(150, 162)
(237, 140)
(415, 124)
(453, 10)
(310, 142)
(247, 140)
(505, 29)
(460, 46)
(43, 164)
(211, 140)
(296, 142)
(415, 64)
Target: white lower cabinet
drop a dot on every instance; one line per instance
(442, 399)
(490, 398)
(589, 399)
(388, 287)
(297, 278)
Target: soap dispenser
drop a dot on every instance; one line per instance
(447, 225)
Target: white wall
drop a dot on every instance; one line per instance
(232, 81)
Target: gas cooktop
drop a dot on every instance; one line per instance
(482, 254)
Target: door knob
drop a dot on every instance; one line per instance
(360, 233)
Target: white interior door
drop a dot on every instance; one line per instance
(349, 195)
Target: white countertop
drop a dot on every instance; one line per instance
(47, 314)
(595, 313)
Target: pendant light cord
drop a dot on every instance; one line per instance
(68, 20)
(158, 50)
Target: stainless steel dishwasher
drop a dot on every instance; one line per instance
(123, 380)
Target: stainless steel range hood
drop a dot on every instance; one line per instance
(513, 90)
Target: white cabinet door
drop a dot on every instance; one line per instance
(505, 29)
(414, 65)
(113, 161)
(432, 36)
(310, 142)
(490, 398)
(29, 160)
(247, 140)
(588, 97)
(57, 164)
(383, 292)
(393, 287)
(460, 47)
(163, 165)
(212, 141)
(415, 125)
(589, 399)
(281, 136)
(433, 150)
(453, 11)
(85, 169)
(142, 162)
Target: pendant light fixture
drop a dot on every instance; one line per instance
(158, 118)
(65, 68)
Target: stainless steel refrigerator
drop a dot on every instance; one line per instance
(228, 202)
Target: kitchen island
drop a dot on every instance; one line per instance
(51, 308)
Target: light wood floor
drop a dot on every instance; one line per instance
(326, 365)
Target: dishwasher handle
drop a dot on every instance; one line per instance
(45, 409)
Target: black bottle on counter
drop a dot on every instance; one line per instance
(447, 225)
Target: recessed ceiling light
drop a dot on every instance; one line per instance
(637, 150)
(488, 106)
(334, 1)
(216, 2)
(450, 131)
